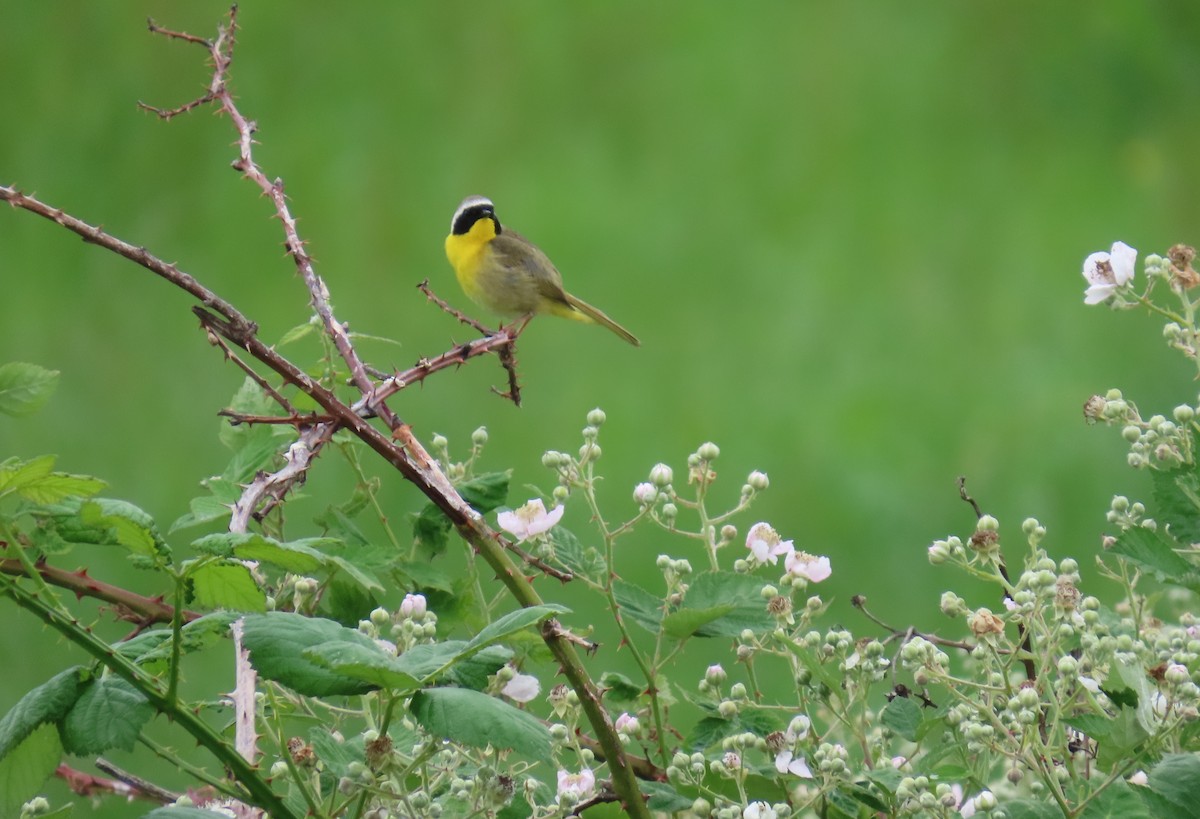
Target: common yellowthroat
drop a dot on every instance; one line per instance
(504, 272)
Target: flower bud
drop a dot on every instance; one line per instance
(758, 481)
(596, 417)
(551, 459)
(709, 451)
(645, 494)
(661, 475)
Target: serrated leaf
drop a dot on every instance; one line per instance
(367, 663)
(58, 486)
(228, 586)
(431, 527)
(337, 754)
(425, 575)
(152, 647)
(1096, 726)
(48, 702)
(474, 671)
(1031, 809)
(686, 622)
(569, 552)
(25, 388)
(1150, 549)
(296, 333)
(104, 522)
(471, 718)
(298, 559)
(424, 660)
(902, 715)
(1118, 801)
(277, 640)
(1177, 501)
(203, 510)
(638, 605)
(1134, 676)
(514, 621)
(619, 688)
(1177, 780)
(109, 714)
(15, 475)
(662, 797)
(741, 592)
(26, 766)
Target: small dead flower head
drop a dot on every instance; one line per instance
(983, 623)
(1066, 596)
(1183, 275)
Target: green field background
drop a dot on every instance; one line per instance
(848, 234)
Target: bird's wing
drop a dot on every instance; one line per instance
(518, 253)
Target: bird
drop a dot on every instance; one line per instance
(502, 271)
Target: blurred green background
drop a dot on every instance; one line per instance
(849, 236)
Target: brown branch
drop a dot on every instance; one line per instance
(142, 610)
(505, 351)
(309, 419)
(252, 374)
(142, 787)
(962, 493)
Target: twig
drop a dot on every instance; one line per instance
(139, 609)
(262, 383)
(506, 351)
(962, 493)
(143, 788)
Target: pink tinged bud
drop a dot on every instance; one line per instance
(413, 607)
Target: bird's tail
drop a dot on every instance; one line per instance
(586, 312)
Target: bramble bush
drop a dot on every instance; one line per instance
(370, 683)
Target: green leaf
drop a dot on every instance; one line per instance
(742, 592)
(26, 766)
(184, 813)
(25, 388)
(337, 754)
(471, 718)
(1150, 549)
(104, 522)
(1177, 501)
(49, 702)
(1134, 676)
(687, 621)
(16, 475)
(150, 648)
(474, 671)
(619, 688)
(58, 486)
(568, 551)
(109, 714)
(1118, 801)
(1031, 809)
(296, 333)
(228, 586)
(214, 506)
(512, 622)
(1177, 780)
(425, 575)
(431, 527)
(277, 640)
(639, 605)
(903, 716)
(664, 798)
(424, 660)
(367, 663)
